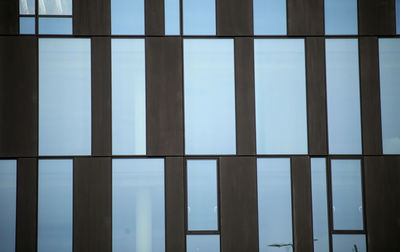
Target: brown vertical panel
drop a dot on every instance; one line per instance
(92, 205)
(234, 17)
(376, 17)
(154, 17)
(101, 96)
(164, 96)
(382, 194)
(92, 17)
(305, 17)
(9, 12)
(18, 96)
(175, 204)
(316, 96)
(26, 205)
(239, 222)
(245, 96)
(302, 204)
(370, 96)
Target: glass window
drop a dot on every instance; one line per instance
(351, 243)
(127, 17)
(319, 205)
(8, 198)
(343, 96)
(398, 16)
(202, 195)
(202, 243)
(55, 25)
(347, 195)
(199, 17)
(274, 204)
(64, 97)
(281, 110)
(27, 25)
(209, 76)
(27, 7)
(172, 17)
(389, 55)
(341, 17)
(55, 190)
(128, 97)
(138, 205)
(58, 7)
(269, 17)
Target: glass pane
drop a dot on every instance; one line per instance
(274, 205)
(27, 25)
(55, 7)
(347, 195)
(281, 110)
(55, 26)
(320, 205)
(202, 243)
(398, 16)
(199, 17)
(389, 62)
(55, 205)
(128, 97)
(202, 195)
(350, 243)
(127, 17)
(209, 76)
(64, 97)
(172, 17)
(26, 7)
(341, 17)
(269, 17)
(8, 198)
(343, 96)
(138, 205)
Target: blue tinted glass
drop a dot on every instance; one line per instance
(26, 7)
(347, 195)
(172, 17)
(341, 17)
(8, 196)
(350, 243)
(281, 110)
(274, 205)
(320, 205)
(138, 205)
(202, 243)
(202, 195)
(343, 96)
(55, 26)
(55, 206)
(64, 97)
(127, 17)
(55, 7)
(27, 25)
(128, 97)
(389, 62)
(199, 17)
(209, 76)
(269, 17)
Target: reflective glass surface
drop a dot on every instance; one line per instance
(138, 205)
(172, 17)
(64, 97)
(343, 96)
(26, 7)
(269, 17)
(55, 26)
(202, 243)
(8, 204)
(341, 17)
(350, 243)
(281, 110)
(127, 17)
(128, 97)
(199, 17)
(209, 88)
(55, 7)
(27, 25)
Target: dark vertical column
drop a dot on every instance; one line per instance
(175, 204)
(18, 96)
(305, 17)
(239, 221)
(154, 17)
(382, 194)
(245, 97)
(302, 204)
(26, 205)
(92, 205)
(316, 96)
(9, 21)
(101, 96)
(92, 17)
(370, 96)
(234, 17)
(376, 17)
(164, 96)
